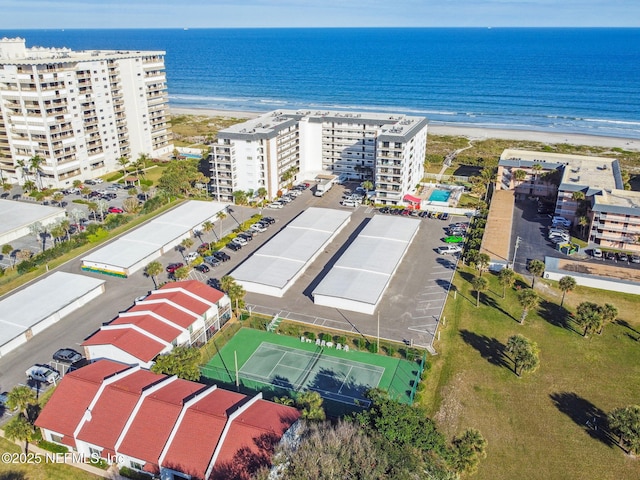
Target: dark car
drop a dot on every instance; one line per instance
(223, 257)
(246, 235)
(202, 268)
(623, 257)
(610, 256)
(269, 220)
(172, 267)
(95, 194)
(90, 182)
(67, 355)
(233, 246)
(384, 210)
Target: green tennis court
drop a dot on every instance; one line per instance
(267, 361)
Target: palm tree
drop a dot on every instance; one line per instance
(528, 300)
(289, 176)
(566, 284)
(609, 313)
(20, 398)
(187, 243)
(589, 317)
(519, 176)
(24, 169)
(153, 269)
(524, 353)
(102, 206)
(145, 190)
(182, 273)
(85, 192)
(19, 428)
(235, 292)
(583, 222)
(207, 226)
(6, 250)
(480, 284)
(482, 262)
(368, 186)
(65, 225)
(57, 231)
(123, 162)
(536, 267)
(506, 277)
(58, 197)
(38, 230)
(221, 216)
(34, 163)
(239, 197)
(262, 193)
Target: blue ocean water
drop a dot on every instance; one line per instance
(569, 80)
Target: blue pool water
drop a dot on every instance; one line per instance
(191, 155)
(439, 196)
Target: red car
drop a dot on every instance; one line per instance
(172, 267)
(115, 210)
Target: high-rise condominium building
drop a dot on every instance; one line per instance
(78, 111)
(283, 146)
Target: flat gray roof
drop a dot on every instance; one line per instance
(28, 307)
(15, 215)
(277, 262)
(365, 269)
(151, 237)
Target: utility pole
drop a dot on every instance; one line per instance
(515, 252)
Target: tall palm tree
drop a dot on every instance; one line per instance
(506, 277)
(589, 316)
(38, 230)
(207, 226)
(123, 162)
(6, 250)
(24, 169)
(221, 216)
(153, 269)
(480, 284)
(20, 398)
(102, 206)
(566, 284)
(609, 313)
(519, 176)
(482, 262)
(536, 267)
(187, 243)
(528, 300)
(34, 164)
(19, 428)
(262, 193)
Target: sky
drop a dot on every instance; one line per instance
(46, 14)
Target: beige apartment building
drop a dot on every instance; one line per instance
(80, 111)
(589, 191)
(264, 152)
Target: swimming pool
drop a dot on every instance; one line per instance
(191, 155)
(439, 196)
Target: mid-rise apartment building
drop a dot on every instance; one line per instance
(589, 191)
(283, 146)
(79, 111)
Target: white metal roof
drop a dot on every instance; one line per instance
(28, 307)
(151, 237)
(14, 214)
(288, 253)
(365, 269)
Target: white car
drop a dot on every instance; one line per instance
(597, 253)
(98, 180)
(276, 205)
(239, 241)
(449, 249)
(349, 203)
(43, 374)
(190, 257)
(258, 228)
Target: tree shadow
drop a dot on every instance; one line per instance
(466, 276)
(489, 348)
(585, 414)
(13, 475)
(624, 323)
(491, 302)
(556, 315)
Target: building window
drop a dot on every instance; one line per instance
(136, 465)
(56, 438)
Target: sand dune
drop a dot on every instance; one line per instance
(466, 131)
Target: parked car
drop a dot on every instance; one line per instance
(561, 221)
(223, 257)
(115, 210)
(43, 374)
(349, 203)
(233, 246)
(240, 241)
(3, 402)
(67, 355)
(257, 227)
(246, 235)
(269, 220)
(563, 236)
(623, 257)
(634, 258)
(203, 248)
(610, 256)
(202, 268)
(191, 256)
(597, 253)
(449, 249)
(276, 205)
(172, 267)
(90, 182)
(384, 210)
(98, 180)
(454, 239)
(285, 199)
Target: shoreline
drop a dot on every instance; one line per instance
(472, 133)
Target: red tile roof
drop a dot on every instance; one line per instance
(197, 288)
(204, 421)
(129, 341)
(112, 410)
(152, 325)
(165, 310)
(158, 413)
(181, 298)
(76, 389)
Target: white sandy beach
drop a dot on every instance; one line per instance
(475, 133)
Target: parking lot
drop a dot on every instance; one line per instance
(409, 310)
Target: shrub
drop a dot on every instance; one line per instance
(390, 350)
(372, 347)
(146, 182)
(340, 339)
(325, 336)
(134, 474)
(114, 177)
(360, 342)
(52, 447)
(100, 234)
(26, 266)
(152, 204)
(310, 335)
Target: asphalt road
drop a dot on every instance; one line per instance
(409, 310)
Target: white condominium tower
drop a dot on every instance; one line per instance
(79, 111)
(272, 150)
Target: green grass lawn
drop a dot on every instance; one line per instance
(535, 425)
(43, 471)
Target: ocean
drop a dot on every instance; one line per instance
(568, 80)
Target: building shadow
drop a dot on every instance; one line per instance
(492, 350)
(585, 414)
